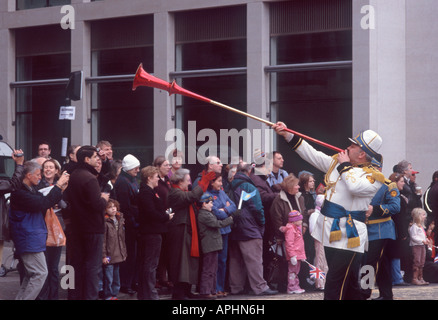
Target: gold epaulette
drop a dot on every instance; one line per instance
(391, 185)
(375, 174)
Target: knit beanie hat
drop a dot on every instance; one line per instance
(295, 216)
(130, 162)
(259, 156)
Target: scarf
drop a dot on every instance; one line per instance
(194, 250)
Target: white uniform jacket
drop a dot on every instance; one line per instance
(351, 187)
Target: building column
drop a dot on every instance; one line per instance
(379, 74)
(7, 70)
(421, 91)
(258, 100)
(164, 63)
(81, 60)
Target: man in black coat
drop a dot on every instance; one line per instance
(87, 210)
(409, 190)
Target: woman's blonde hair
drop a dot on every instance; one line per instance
(415, 214)
(289, 182)
(148, 172)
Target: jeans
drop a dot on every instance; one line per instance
(222, 264)
(111, 280)
(397, 276)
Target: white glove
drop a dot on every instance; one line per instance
(293, 260)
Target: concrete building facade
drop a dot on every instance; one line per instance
(328, 68)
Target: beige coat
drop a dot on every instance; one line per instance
(280, 209)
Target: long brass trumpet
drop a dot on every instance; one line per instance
(142, 78)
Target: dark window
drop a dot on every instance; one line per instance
(38, 119)
(124, 61)
(317, 100)
(120, 115)
(125, 118)
(232, 92)
(314, 47)
(317, 104)
(214, 54)
(31, 4)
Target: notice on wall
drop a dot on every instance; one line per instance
(67, 113)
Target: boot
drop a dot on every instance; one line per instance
(420, 277)
(415, 280)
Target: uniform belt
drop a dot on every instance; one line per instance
(378, 220)
(337, 212)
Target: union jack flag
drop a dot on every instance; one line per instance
(315, 273)
(435, 259)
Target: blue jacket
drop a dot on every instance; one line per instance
(220, 201)
(272, 180)
(26, 218)
(385, 203)
(251, 222)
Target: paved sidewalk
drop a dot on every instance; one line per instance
(9, 285)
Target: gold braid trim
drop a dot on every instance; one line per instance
(331, 184)
(392, 186)
(335, 236)
(375, 174)
(353, 242)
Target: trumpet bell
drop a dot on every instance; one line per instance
(144, 79)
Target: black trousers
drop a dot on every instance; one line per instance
(378, 258)
(86, 259)
(129, 267)
(342, 280)
(149, 255)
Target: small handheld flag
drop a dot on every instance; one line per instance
(245, 197)
(314, 272)
(435, 260)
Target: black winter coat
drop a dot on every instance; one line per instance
(152, 216)
(86, 206)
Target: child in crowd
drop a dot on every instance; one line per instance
(295, 252)
(320, 260)
(211, 243)
(114, 250)
(418, 241)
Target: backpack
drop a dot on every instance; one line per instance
(231, 194)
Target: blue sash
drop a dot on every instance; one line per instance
(335, 211)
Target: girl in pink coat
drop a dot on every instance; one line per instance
(294, 250)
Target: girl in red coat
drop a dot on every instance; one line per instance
(294, 250)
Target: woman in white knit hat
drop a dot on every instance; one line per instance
(126, 189)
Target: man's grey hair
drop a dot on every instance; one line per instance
(179, 175)
(244, 167)
(403, 165)
(30, 167)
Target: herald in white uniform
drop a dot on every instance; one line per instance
(353, 189)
